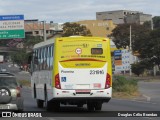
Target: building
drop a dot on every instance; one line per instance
(138, 18)
(98, 28)
(36, 28)
(124, 16)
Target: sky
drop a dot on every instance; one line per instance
(60, 11)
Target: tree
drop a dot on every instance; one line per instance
(151, 48)
(20, 57)
(30, 41)
(156, 22)
(144, 41)
(121, 35)
(70, 29)
(138, 68)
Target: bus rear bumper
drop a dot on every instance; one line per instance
(82, 99)
(103, 95)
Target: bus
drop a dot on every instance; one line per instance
(72, 71)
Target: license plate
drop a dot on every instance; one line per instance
(83, 91)
(4, 106)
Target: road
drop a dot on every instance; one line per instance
(149, 89)
(66, 113)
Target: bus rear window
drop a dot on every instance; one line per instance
(96, 51)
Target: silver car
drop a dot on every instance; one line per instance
(10, 93)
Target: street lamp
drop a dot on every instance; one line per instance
(130, 51)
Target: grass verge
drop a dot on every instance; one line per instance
(125, 88)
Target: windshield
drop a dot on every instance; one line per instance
(9, 82)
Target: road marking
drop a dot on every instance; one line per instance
(136, 101)
(147, 97)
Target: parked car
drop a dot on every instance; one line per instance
(3, 70)
(10, 93)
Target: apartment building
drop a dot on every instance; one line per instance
(124, 16)
(36, 28)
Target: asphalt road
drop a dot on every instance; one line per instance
(150, 90)
(72, 112)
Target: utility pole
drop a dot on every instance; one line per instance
(44, 30)
(154, 66)
(130, 50)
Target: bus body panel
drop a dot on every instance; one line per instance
(78, 78)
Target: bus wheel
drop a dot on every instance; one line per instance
(40, 103)
(48, 105)
(56, 105)
(90, 106)
(34, 89)
(98, 106)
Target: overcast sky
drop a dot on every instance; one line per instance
(74, 10)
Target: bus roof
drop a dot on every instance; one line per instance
(47, 42)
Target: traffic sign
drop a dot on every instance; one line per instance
(11, 26)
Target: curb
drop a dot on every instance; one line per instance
(147, 97)
(143, 98)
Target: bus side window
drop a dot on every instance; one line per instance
(35, 61)
(39, 59)
(48, 58)
(41, 63)
(44, 58)
(51, 57)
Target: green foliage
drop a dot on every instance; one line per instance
(156, 22)
(20, 57)
(121, 35)
(70, 29)
(3, 42)
(137, 68)
(30, 41)
(151, 49)
(121, 84)
(144, 41)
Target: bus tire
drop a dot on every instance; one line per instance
(40, 103)
(47, 103)
(35, 94)
(98, 106)
(90, 106)
(56, 106)
(49, 106)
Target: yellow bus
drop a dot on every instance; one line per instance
(72, 71)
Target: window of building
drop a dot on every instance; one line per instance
(36, 32)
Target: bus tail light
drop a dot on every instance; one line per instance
(108, 81)
(57, 82)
